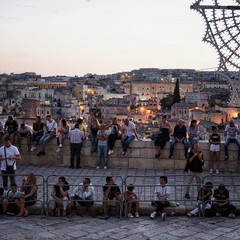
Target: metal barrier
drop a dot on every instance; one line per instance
(40, 185)
(75, 180)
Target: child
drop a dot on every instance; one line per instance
(13, 200)
(204, 197)
(132, 200)
(214, 140)
(161, 197)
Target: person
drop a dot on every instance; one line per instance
(13, 200)
(81, 126)
(59, 197)
(203, 199)
(102, 136)
(195, 163)
(83, 195)
(161, 198)
(114, 135)
(94, 127)
(221, 203)
(231, 132)
(179, 136)
(193, 134)
(3, 200)
(214, 140)
(61, 133)
(111, 192)
(38, 131)
(2, 132)
(50, 134)
(28, 197)
(11, 130)
(24, 131)
(9, 154)
(128, 135)
(132, 200)
(76, 137)
(163, 136)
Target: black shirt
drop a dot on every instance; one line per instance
(114, 189)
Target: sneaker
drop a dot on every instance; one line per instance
(189, 214)
(109, 152)
(152, 216)
(170, 156)
(33, 148)
(218, 214)
(105, 167)
(10, 214)
(163, 216)
(59, 150)
(217, 171)
(211, 171)
(136, 214)
(157, 155)
(226, 157)
(112, 151)
(130, 215)
(231, 215)
(60, 145)
(97, 167)
(105, 216)
(187, 196)
(124, 154)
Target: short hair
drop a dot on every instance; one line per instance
(130, 187)
(209, 184)
(88, 179)
(164, 178)
(213, 128)
(108, 179)
(38, 117)
(10, 117)
(48, 116)
(13, 185)
(6, 139)
(76, 125)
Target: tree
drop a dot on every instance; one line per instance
(176, 94)
(167, 102)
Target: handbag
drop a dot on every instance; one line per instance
(9, 168)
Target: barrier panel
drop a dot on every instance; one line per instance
(40, 183)
(75, 180)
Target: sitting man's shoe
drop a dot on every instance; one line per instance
(231, 215)
(226, 158)
(187, 196)
(105, 216)
(152, 216)
(163, 216)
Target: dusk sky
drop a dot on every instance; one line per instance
(75, 37)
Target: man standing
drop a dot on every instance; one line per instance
(129, 133)
(180, 135)
(51, 127)
(76, 137)
(231, 132)
(9, 154)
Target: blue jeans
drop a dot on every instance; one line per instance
(231, 140)
(102, 150)
(174, 141)
(44, 140)
(94, 141)
(191, 142)
(126, 140)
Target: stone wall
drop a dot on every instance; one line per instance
(140, 156)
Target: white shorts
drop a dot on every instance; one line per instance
(215, 147)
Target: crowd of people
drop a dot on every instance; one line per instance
(14, 199)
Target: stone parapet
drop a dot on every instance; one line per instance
(141, 155)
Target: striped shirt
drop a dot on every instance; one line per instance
(76, 136)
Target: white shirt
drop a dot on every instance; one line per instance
(231, 131)
(79, 191)
(51, 125)
(128, 129)
(25, 130)
(163, 190)
(10, 151)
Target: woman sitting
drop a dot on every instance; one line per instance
(29, 189)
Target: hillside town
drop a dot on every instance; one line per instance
(142, 95)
